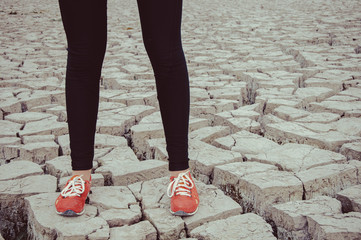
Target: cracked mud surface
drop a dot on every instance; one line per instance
(274, 132)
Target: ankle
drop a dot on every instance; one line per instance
(85, 173)
(176, 173)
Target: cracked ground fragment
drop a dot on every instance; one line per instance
(261, 189)
(168, 226)
(19, 169)
(352, 150)
(112, 197)
(43, 220)
(116, 204)
(350, 199)
(227, 176)
(285, 131)
(335, 226)
(289, 113)
(256, 186)
(239, 227)
(45, 126)
(291, 217)
(12, 195)
(140, 231)
(155, 205)
(134, 171)
(92, 228)
(298, 157)
(208, 134)
(9, 129)
(329, 179)
(246, 143)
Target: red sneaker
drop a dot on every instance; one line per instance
(71, 200)
(184, 195)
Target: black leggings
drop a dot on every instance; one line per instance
(85, 25)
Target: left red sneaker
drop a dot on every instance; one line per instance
(71, 200)
(184, 195)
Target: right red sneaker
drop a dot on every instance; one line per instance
(184, 196)
(71, 200)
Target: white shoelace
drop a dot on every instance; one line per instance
(180, 185)
(75, 187)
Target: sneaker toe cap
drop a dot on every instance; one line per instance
(185, 204)
(69, 204)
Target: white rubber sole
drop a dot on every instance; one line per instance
(182, 213)
(70, 213)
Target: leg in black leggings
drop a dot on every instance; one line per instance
(161, 30)
(85, 24)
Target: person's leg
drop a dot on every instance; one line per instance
(161, 30)
(85, 25)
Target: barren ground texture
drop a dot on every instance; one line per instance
(274, 131)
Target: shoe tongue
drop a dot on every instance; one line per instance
(188, 174)
(75, 177)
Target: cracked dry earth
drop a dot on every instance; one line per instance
(274, 137)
